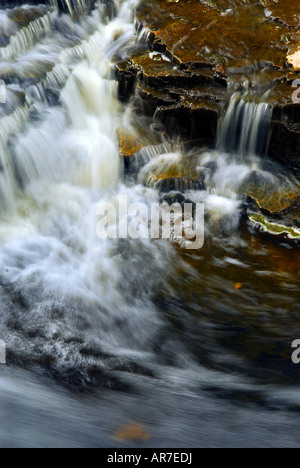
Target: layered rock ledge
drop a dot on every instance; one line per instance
(197, 52)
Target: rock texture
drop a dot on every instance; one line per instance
(199, 51)
(286, 13)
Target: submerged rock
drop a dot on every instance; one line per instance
(23, 16)
(185, 102)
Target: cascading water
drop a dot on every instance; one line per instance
(57, 163)
(55, 170)
(242, 139)
(245, 128)
(141, 316)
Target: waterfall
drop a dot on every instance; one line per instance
(28, 36)
(77, 7)
(58, 161)
(179, 334)
(244, 130)
(242, 141)
(75, 141)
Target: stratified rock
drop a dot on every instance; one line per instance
(129, 143)
(285, 138)
(16, 19)
(199, 50)
(205, 34)
(186, 102)
(171, 172)
(273, 210)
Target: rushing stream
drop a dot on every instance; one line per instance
(193, 345)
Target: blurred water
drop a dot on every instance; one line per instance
(194, 359)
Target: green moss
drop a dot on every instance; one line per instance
(215, 59)
(274, 228)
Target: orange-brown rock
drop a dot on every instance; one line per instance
(199, 49)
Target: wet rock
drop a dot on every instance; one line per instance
(286, 13)
(184, 102)
(285, 135)
(126, 76)
(190, 120)
(184, 79)
(288, 216)
(279, 229)
(23, 16)
(285, 143)
(272, 205)
(138, 145)
(266, 194)
(277, 214)
(189, 34)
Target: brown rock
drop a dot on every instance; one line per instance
(283, 11)
(196, 48)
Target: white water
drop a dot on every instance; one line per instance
(243, 138)
(59, 161)
(56, 169)
(81, 308)
(245, 128)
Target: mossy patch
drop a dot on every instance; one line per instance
(274, 228)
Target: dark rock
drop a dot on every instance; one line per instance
(285, 137)
(196, 121)
(173, 197)
(285, 144)
(126, 77)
